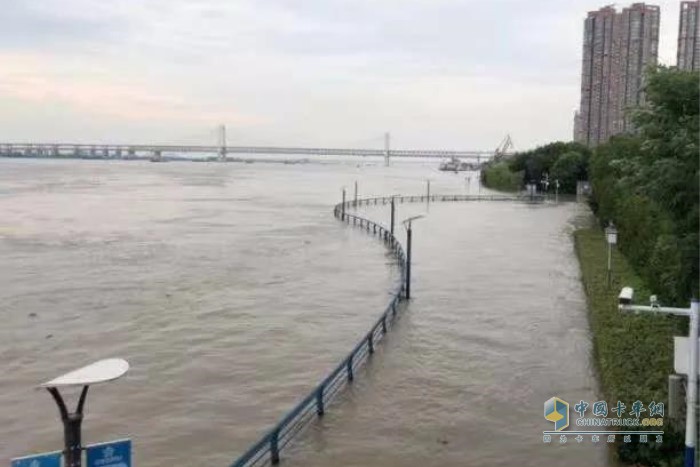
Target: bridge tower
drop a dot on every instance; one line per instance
(387, 148)
(222, 143)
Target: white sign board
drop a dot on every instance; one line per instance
(681, 357)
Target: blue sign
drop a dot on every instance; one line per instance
(112, 454)
(48, 459)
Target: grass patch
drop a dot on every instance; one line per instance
(633, 353)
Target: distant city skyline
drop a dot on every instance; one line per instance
(436, 74)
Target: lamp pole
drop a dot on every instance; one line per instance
(408, 260)
(342, 207)
(611, 238)
(692, 390)
(98, 372)
(545, 184)
(409, 234)
(393, 215)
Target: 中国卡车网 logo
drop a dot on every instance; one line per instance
(557, 411)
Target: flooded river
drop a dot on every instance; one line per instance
(232, 290)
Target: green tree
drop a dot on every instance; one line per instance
(500, 177)
(569, 168)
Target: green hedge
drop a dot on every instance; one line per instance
(633, 353)
(499, 177)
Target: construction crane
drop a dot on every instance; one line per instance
(504, 149)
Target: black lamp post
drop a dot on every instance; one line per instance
(409, 234)
(95, 373)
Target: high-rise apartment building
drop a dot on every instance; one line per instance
(617, 49)
(689, 36)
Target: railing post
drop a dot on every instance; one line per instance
(351, 376)
(384, 323)
(370, 341)
(274, 447)
(320, 409)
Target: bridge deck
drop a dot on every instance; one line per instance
(83, 148)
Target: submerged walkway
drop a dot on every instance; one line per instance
(269, 447)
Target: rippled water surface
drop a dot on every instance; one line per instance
(232, 290)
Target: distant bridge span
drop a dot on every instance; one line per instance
(156, 151)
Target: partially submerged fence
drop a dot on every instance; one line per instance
(382, 200)
(268, 448)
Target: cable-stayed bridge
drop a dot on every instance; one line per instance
(220, 151)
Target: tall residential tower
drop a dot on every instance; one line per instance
(617, 48)
(689, 36)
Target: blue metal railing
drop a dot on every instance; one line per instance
(268, 448)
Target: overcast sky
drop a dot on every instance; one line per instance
(435, 73)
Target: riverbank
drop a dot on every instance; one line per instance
(633, 354)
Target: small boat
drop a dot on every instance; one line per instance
(456, 165)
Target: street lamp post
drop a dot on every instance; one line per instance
(611, 238)
(393, 214)
(95, 373)
(556, 186)
(355, 202)
(692, 387)
(409, 233)
(342, 207)
(545, 184)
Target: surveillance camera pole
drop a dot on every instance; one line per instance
(692, 391)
